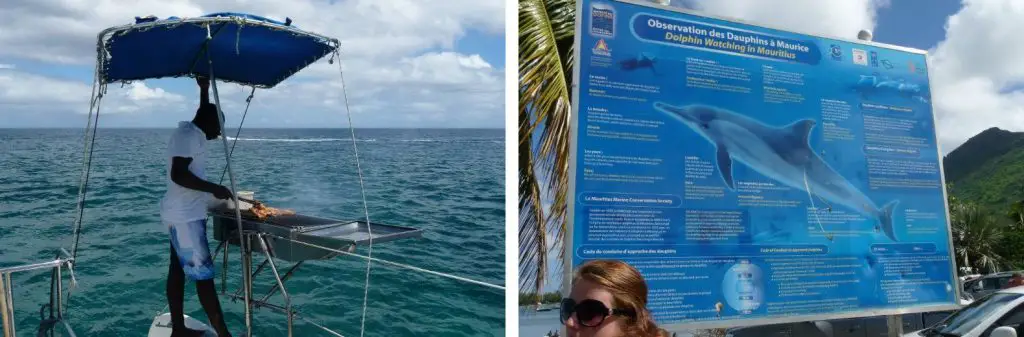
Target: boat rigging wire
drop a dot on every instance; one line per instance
(362, 191)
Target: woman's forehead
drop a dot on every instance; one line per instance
(584, 289)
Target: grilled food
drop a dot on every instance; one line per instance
(262, 212)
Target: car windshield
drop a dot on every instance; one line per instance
(996, 283)
(969, 317)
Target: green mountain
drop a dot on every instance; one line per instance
(988, 169)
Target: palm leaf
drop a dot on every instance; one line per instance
(532, 227)
(546, 30)
(976, 235)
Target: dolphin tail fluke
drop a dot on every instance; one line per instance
(885, 219)
(725, 166)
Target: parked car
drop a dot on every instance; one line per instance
(876, 326)
(980, 287)
(850, 327)
(1001, 314)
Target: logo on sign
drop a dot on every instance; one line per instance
(860, 57)
(910, 65)
(602, 20)
(874, 59)
(916, 68)
(837, 52)
(601, 48)
(887, 64)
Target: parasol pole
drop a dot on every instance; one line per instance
(243, 244)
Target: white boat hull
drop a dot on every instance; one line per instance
(161, 326)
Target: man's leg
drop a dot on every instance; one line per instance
(176, 291)
(176, 295)
(208, 298)
(201, 270)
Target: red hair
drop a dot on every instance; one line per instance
(628, 289)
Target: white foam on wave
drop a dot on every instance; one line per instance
(451, 140)
(301, 140)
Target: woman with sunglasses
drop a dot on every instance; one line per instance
(608, 299)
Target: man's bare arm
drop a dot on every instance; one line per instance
(204, 90)
(182, 176)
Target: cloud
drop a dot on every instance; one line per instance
(6, 66)
(400, 59)
(439, 88)
(65, 31)
(833, 18)
(977, 71)
(28, 92)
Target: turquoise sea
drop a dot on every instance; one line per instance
(450, 183)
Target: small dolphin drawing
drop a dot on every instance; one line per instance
(780, 153)
(638, 62)
(772, 234)
(869, 85)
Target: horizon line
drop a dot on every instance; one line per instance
(254, 128)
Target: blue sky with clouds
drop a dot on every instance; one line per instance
(954, 54)
(421, 64)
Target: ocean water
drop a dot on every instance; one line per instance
(534, 323)
(450, 183)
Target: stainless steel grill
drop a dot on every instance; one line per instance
(330, 233)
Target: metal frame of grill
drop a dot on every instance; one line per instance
(294, 238)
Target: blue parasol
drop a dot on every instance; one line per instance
(245, 49)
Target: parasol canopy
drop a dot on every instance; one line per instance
(246, 49)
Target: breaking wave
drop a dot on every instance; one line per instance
(301, 140)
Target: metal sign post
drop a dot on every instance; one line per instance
(895, 323)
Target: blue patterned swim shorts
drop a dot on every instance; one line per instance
(190, 243)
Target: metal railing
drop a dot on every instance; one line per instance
(56, 267)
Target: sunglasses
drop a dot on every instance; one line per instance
(589, 312)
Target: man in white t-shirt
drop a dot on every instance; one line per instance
(184, 210)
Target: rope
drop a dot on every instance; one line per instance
(248, 101)
(362, 192)
(97, 99)
(318, 325)
(87, 152)
(437, 273)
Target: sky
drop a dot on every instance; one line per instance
(977, 75)
(408, 63)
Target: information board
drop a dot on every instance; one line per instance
(755, 175)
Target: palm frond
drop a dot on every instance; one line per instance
(533, 241)
(976, 235)
(546, 30)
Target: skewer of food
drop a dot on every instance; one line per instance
(263, 212)
(259, 210)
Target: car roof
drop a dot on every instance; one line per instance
(1002, 274)
(1019, 290)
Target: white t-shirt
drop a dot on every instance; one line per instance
(180, 204)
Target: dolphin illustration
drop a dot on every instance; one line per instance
(772, 234)
(638, 62)
(781, 153)
(869, 85)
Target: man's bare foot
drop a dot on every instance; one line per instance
(186, 332)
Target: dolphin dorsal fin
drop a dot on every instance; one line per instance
(800, 131)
